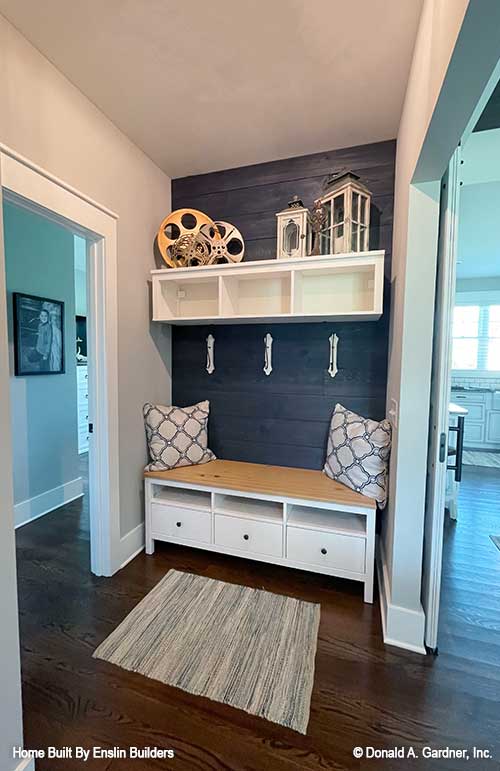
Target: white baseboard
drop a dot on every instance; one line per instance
(131, 544)
(402, 627)
(26, 765)
(27, 511)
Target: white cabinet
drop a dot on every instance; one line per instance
(346, 287)
(482, 424)
(473, 433)
(83, 407)
(493, 427)
(333, 534)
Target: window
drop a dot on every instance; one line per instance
(476, 337)
(493, 358)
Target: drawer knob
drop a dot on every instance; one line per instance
(324, 551)
(178, 524)
(246, 537)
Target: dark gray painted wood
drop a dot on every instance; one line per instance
(283, 419)
(249, 197)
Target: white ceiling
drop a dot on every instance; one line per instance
(201, 85)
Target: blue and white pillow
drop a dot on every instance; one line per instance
(177, 436)
(358, 453)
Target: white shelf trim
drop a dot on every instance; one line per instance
(279, 265)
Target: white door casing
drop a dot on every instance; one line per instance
(27, 185)
(440, 397)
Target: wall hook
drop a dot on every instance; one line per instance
(210, 354)
(333, 369)
(268, 354)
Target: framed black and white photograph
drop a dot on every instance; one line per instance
(38, 335)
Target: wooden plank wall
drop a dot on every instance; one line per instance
(283, 419)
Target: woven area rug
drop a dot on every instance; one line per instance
(496, 540)
(245, 647)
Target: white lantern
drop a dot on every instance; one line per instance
(292, 224)
(347, 223)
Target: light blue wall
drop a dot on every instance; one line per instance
(39, 258)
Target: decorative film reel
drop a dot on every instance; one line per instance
(183, 222)
(225, 242)
(189, 251)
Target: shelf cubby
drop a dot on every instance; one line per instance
(346, 287)
(325, 292)
(326, 520)
(186, 297)
(182, 497)
(248, 295)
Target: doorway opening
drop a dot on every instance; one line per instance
(471, 551)
(28, 189)
(464, 619)
(46, 283)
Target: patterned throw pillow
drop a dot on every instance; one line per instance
(177, 436)
(358, 453)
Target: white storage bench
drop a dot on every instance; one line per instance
(288, 516)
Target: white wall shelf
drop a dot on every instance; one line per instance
(345, 287)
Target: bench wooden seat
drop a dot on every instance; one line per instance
(289, 516)
(268, 480)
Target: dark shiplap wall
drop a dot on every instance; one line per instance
(283, 419)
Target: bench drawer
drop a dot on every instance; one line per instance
(248, 535)
(329, 550)
(177, 522)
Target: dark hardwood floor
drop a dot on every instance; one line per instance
(470, 597)
(364, 693)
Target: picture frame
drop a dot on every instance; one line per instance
(38, 335)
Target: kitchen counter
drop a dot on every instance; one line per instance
(473, 389)
(456, 409)
(482, 426)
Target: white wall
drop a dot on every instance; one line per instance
(415, 234)
(479, 229)
(11, 732)
(481, 158)
(488, 284)
(45, 118)
(450, 73)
